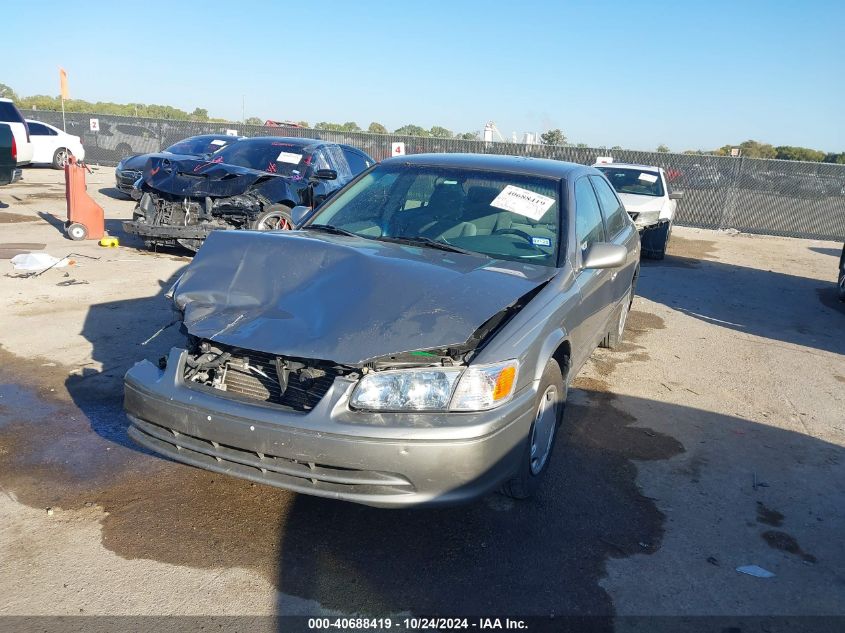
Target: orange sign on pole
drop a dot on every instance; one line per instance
(63, 83)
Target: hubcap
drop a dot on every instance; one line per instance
(543, 431)
(62, 158)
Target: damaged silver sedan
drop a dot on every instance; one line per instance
(410, 343)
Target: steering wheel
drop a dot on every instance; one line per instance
(518, 233)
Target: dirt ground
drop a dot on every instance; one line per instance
(712, 440)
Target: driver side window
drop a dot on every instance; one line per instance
(589, 226)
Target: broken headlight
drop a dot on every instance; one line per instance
(437, 388)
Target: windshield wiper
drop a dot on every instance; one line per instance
(330, 228)
(427, 241)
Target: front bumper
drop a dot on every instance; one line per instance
(377, 459)
(154, 233)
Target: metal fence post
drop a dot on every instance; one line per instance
(729, 211)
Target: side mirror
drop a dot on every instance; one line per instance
(605, 255)
(676, 195)
(299, 213)
(325, 174)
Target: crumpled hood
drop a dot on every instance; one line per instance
(138, 162)
(641, 204)
(200, 178)
(348, 300)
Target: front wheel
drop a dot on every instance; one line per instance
(275, 217)
(537, 451)
(60, 157)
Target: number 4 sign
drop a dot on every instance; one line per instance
(397, 149)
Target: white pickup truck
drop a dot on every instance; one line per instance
(645, 194)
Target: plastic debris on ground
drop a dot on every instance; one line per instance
(756, 571)
(37, 261)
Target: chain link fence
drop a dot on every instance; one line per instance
(772, 197)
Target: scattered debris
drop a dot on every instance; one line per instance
(756, 571)
(49, 512)
(37, 261)
(73, 282)
(109, 242)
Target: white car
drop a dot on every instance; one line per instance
(51, 146)
(645, 194)
(10, 114)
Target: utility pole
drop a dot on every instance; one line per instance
(243, 108)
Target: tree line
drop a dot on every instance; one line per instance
(750, 148)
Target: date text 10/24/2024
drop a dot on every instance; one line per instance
(416, 624)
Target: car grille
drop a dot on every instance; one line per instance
(269, 469)
(129, 176)
(253, 375)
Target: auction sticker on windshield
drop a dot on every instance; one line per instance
(648, 177)
(289, 157)
(523, 201)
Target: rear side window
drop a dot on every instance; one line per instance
(613, 210)
(39, 129)
(589, 226)
(9, 113)
(357, 161)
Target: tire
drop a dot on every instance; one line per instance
(77, 231)
(274, 217)
(613, 339)
(540, 441)
(841, 284)
(60, 157)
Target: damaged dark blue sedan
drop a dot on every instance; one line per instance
(414, 342)
(251, 184)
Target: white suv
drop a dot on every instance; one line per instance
(10, 114)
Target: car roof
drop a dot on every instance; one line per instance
(290, 140)
(497, 162)
(628, 166)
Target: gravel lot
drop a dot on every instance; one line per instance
(714, 439)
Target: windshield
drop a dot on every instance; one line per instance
(500, 215)
(637, 181)
(199, 145)
(275, 157)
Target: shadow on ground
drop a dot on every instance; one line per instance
(822, 250)
(763, 303)
(114, 192)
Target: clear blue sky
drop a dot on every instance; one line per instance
(607, 72)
